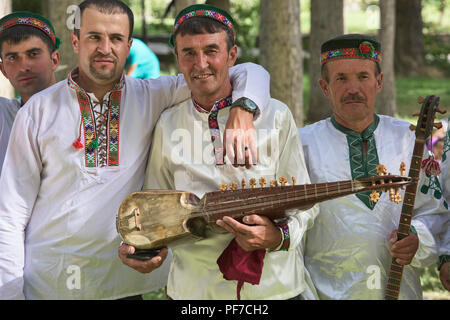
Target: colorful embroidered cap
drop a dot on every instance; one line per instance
(204, 10)
(351, 46)
(29, 19)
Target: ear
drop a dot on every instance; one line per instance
(75, 43)
(55, 59)
(130, 43)
(379, 81)
(3, 69)
(324, 86)
(232, 56)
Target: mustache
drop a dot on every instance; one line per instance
(354, 97)
(26, 75)
(200, 72)
(101, 56)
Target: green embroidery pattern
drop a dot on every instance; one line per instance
(434, 186)
(358, 168)
(446, 145)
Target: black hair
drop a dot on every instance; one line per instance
(106, 7)
(201, 25)
(19, 33)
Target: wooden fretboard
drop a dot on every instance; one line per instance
(396, 270)
(272, 202)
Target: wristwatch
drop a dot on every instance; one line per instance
(246, 104)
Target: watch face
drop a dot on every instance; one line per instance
(249, 104)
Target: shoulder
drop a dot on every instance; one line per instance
(176, 112)
(394, 126)
(314, 128)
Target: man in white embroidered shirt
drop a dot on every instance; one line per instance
(77, 149)
(204, 47)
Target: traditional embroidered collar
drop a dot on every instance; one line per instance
(220, 104)
(214, 125)
(360, 166)
(365, 135)
(91, 132)
(74, 75)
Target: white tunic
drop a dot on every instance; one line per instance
(8, 110)
(445, 180)
(347, 250)
(182, 158)
(58, 238)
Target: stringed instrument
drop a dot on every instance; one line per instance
(423, 130)
(152, 219)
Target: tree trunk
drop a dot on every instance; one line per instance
(6, 89)
(61, 13)
(281, 52)
(327, 21)
(386, 100)
(181, 4)
(223, 4)
(409, 47)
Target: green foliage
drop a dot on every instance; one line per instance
(246, 15)
(155, 295)
(27, 5)
(429, 278)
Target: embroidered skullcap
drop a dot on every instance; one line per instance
(204, 10)
(34, 20)
(351, 46)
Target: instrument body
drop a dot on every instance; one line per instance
(152, 219)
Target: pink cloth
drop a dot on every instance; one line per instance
(244, 266)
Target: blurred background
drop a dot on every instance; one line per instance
(285, 37)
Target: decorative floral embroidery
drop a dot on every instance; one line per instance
(359, 169)
(352, 53)
(214, 126)
(205, 13)
(31, 22)
(434, 186)
(89, 126)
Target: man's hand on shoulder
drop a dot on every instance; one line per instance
(239, 140)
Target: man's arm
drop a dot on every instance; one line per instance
(248, 80)
(19, 186)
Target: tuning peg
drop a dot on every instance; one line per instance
(223, 187)
(441, 111)
(233, 185)
(437, 125)
(253, 183)
(420, 99)
(273, 183)
(262, 182)
(294, 181)
(381, 170)
(412, 127)
(243, 184)
(391, 194)
(397, 197)
(283, 181)
(403, 169)
(415, 114)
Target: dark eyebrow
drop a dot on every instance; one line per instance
(8, 54)
(109, 35)
(210, 46)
